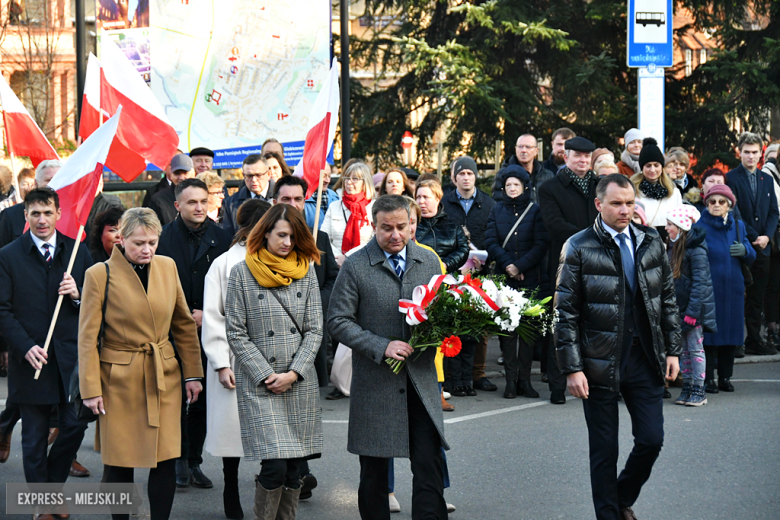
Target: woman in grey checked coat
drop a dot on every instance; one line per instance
(274, 328)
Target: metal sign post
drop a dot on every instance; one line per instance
(651, 99)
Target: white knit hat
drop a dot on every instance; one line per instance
(633, 135)
(683, 216)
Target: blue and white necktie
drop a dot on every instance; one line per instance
(397, 266)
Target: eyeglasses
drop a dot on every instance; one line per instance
(720, 202)
(219, 193)
(255, 176)
(353, 180)
(525, 147)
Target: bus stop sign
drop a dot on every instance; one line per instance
(650, 33)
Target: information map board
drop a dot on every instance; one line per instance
(232, 73)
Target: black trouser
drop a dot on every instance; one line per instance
(721, 356)
(9, 417)
(772, 294)
(54, 466)
(754, 297)
(643, 393)
(555, 379)
(517, 358)
(462, 365)
(275, 473)
(427, 475)
(161, 487)
(193, 433)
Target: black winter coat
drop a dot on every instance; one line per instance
(759, 213)
(475, 222)
(566, 211)
(27, 304)
(162, 204)
(446, 238)
(154, 189)
(528, 245)
(231, 204)
(695, 296)
(539, 176)
(590, 304)
(12, 224)
(175, 242)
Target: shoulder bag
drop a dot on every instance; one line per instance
(84, 413)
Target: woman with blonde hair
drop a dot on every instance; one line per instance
(655, 190)
(677, 164)
(216, 188)
(129, 375)
(274, 328)
(347, 220)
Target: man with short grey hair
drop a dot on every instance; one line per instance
(391, 415)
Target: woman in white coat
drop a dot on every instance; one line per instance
(223, 437)
(655, 190)
(348, 221)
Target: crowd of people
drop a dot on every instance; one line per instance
(210, 321)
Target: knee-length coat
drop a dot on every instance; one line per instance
(136, 372)
(728, 284)
(265, 341)
(223, 430)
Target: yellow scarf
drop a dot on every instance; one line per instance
(274, 271)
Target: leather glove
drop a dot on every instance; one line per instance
(738, 250)
(690, 321)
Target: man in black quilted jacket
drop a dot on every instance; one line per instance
(618, 332)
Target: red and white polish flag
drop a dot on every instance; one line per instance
(144, 129)
(321, 131)
(77, 181)
(22, 134)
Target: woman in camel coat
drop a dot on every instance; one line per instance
(134, 383)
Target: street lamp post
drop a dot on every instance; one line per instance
(346, 124)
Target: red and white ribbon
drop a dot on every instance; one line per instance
(422, 296)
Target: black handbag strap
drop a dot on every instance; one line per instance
(105, 302)
(273, 293)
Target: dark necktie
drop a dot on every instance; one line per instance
(397, 266)
(628, 259)
(752, 182)
(47, 253)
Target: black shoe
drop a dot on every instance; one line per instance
(558, 397)
(773, 338)
(459, 391)
(470, 391)
(335, 395)
(500, 361)
(739, 352)
(525, 388)
(667, 394)
(760, 349)
(710, 387)
(182, 474)
(199, 480)
(724, 383)
(484, 383)
(510, 392)
(545, 379)
(308, 482)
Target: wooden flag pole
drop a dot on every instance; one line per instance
(319, 205)
(59, 300)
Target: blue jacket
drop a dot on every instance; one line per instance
(310, 208)
(232, 203)
(760, 212)
(728, 285)
(694, 286)
(527, 246)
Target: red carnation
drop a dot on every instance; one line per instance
(451, 346)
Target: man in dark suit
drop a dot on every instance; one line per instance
(757, 203)
(33, 274)
(567, 205)
(618, 332)
(292, 190)
(194, 241)
(164, 201)
(257, 184)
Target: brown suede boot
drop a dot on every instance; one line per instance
(267, 502)
(288, 506)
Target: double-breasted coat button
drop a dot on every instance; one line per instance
(261, 296)
(292, 330)
(401, 391)
(300, 294)
(270, 333)
(272, 359)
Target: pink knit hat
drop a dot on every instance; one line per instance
(639, 211)
(723, 191)
(683, 216)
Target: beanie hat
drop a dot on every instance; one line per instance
(632, 135)
(683, 216)
(516, 171)
(598, 153)
(650, 153)
(723, 191)
(639, 210)
(464, 163)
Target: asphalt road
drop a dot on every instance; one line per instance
(528, 459)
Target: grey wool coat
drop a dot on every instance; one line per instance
(265, 341)
(364, 315)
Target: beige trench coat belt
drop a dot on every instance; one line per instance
(154, 375)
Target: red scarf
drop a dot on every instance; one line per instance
(356, 204)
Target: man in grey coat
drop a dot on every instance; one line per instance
(390, 415)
